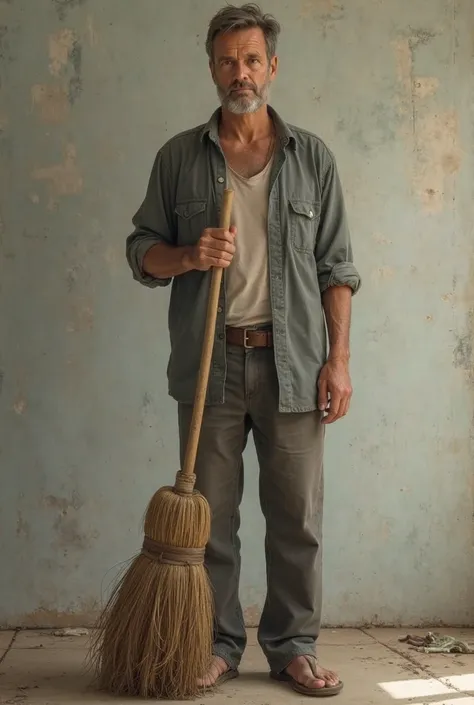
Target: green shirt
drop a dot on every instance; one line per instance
(309, 250)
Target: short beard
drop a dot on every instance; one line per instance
(243, 105)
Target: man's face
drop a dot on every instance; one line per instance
(241, 70)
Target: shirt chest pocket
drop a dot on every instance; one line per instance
(191, 220)
(304, 219)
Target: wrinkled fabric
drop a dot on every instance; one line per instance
(309, 248)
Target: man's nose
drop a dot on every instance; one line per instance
(241, 71)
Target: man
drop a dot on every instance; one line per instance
(288, 270)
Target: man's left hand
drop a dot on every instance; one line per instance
(334, 390)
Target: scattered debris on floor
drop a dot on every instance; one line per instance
(434, 643)
(71, 632)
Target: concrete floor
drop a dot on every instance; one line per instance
(39, 668)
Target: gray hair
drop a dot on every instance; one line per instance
(232, 19)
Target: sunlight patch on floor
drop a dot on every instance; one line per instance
(417, 688)
(462, 682)
(427, 687)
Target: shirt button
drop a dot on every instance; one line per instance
(220, 179)
(221, 336)
(311, 214)
(219, 310)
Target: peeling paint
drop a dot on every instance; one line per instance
(463, 352)
(75, 83)
(7, 41)
(432, 137)
(51, 101)
(327, 12)
(418, 36)
(64, 179)
(65, 53)
(425, 87)
(437, 158)
(326, 8)
(60, 46)
(63, 7)
(404, 68)
(412, 87)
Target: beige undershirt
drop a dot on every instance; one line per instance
(247, 280)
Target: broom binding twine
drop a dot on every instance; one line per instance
(171, 555)
(184, 483)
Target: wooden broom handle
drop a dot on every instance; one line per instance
(207, 348)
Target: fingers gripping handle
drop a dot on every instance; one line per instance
(208, 345)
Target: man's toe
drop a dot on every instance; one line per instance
(312, 682)
(330, 678)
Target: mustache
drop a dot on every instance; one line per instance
(242, 84)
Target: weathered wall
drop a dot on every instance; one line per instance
(89, 91)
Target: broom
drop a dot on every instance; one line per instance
(154, 636)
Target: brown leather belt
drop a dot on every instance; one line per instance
(248, 338)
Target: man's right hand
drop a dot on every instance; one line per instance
(215, 248)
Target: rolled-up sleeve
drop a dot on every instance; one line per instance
(153, 222)
(333, 252)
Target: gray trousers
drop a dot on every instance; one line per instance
(290, 454)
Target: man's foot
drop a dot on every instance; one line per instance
(306, 676)
(216, 671)
(316, 677)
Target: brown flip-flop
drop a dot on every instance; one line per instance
(311, 692)
(226, 676)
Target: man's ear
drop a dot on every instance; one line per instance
(273, 67)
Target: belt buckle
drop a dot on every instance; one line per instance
(246, 337)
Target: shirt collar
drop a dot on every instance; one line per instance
(283, 131)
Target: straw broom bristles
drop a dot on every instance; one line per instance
(154, 637)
